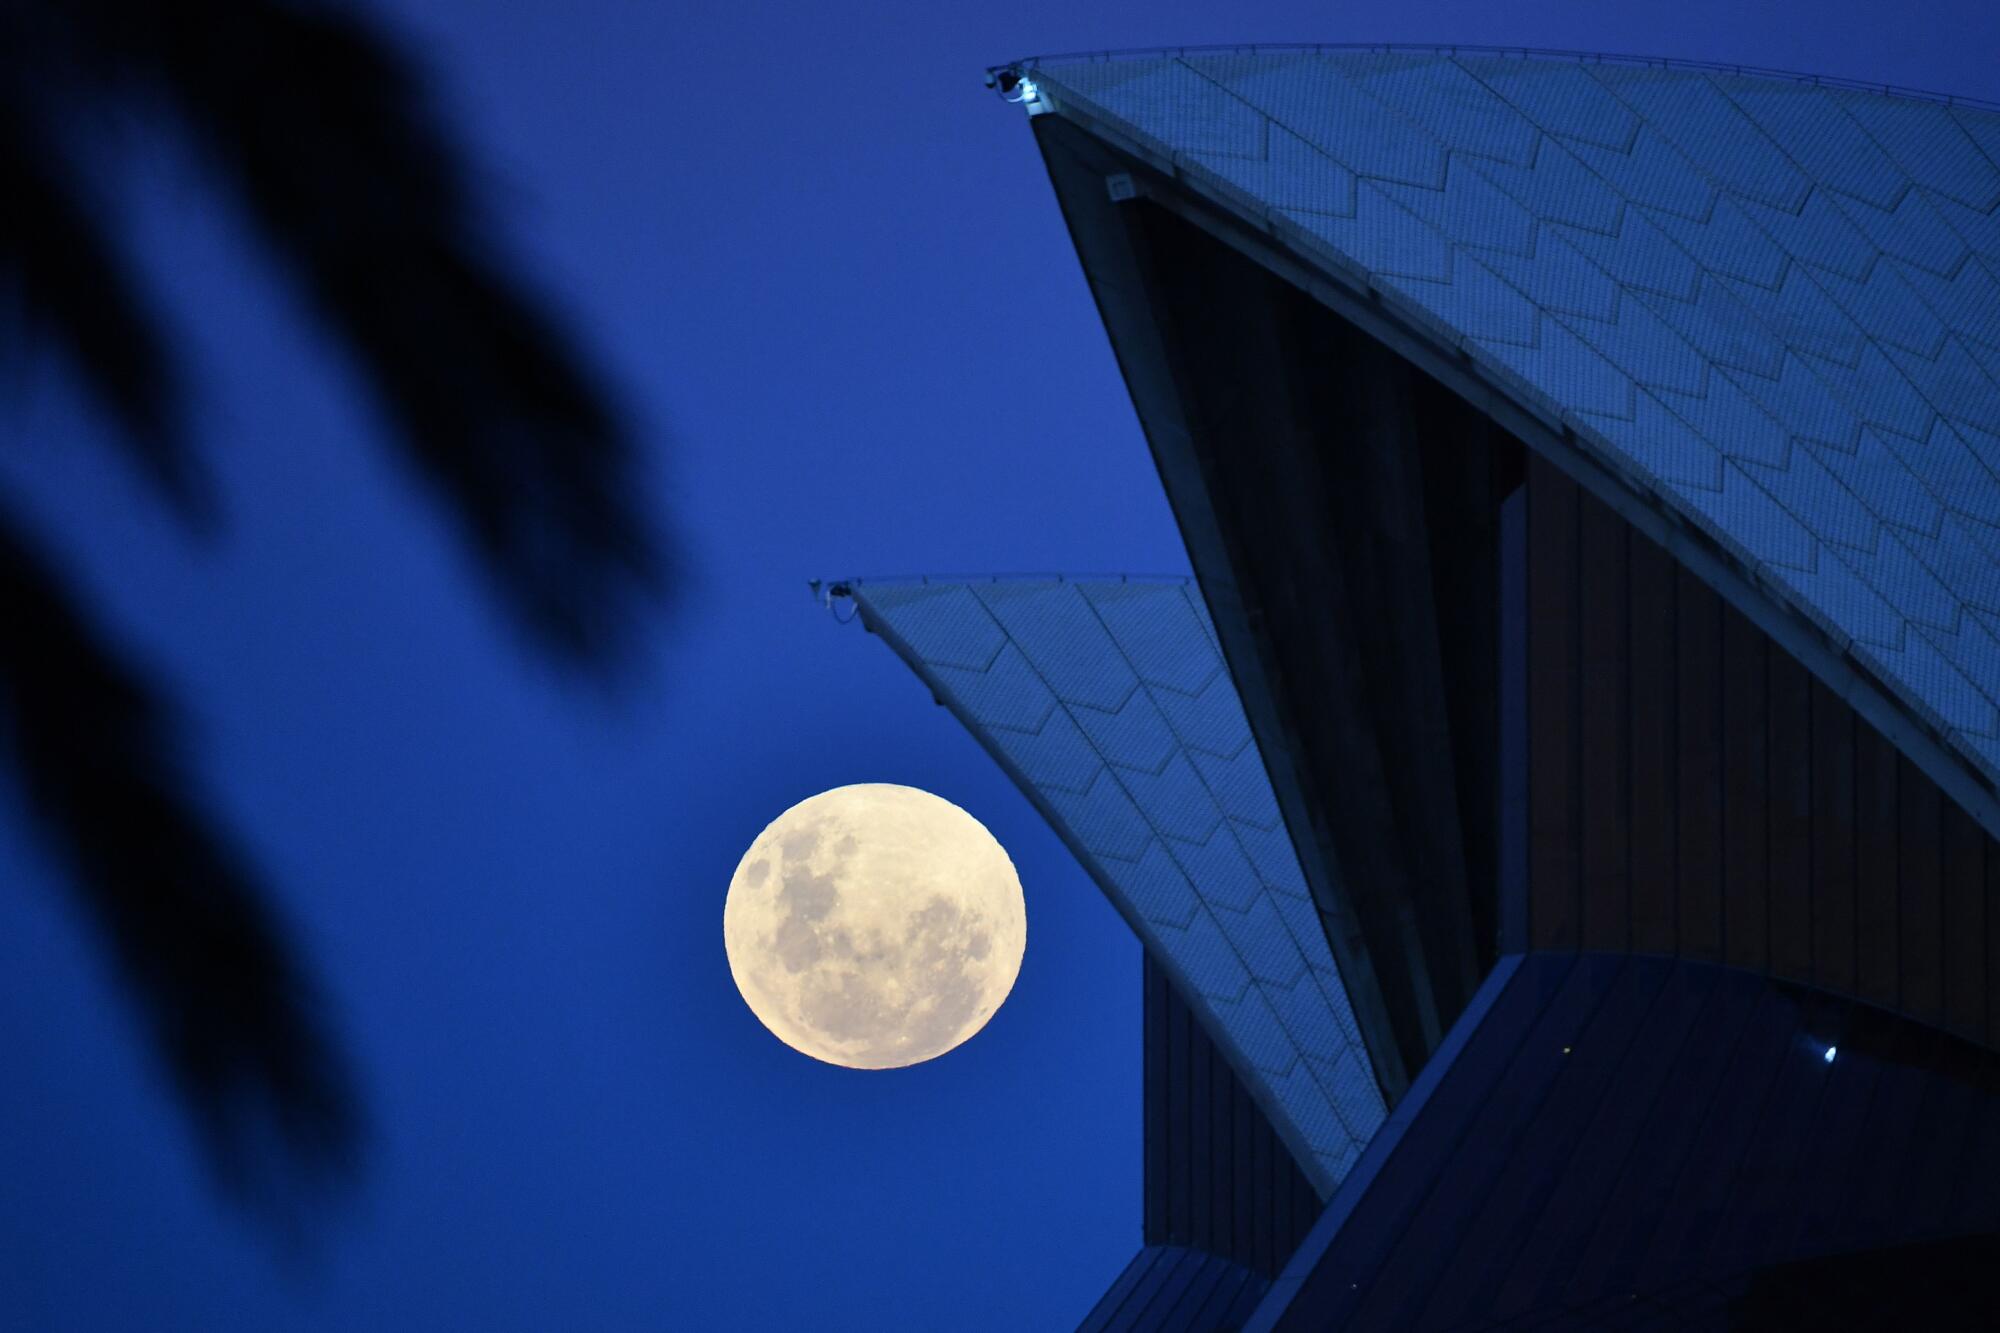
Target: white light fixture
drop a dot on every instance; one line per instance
(1829, 1053)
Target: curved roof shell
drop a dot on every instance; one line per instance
(1767, 308)
(1109, 704)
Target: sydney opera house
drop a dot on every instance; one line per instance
(1559, 814)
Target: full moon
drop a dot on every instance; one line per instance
(874, 926)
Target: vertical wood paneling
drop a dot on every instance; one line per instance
(1513, 759)
(1698, 705)
(1154, 1102)
(1552, 706)
(1833, 840)
(1263, 1170)
(1877, 924)
(1245, 1122)
(1653, 739)
(1604, 752)
(1179, 1047)
(1222, 1098)
(1964, 875)
(1921, 933)
(1217, 1176)
(1201, 1142)
(1992, 943)
(1788, 700)
(1745, 792)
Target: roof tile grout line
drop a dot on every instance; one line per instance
(1249, 972)
(1956, 739)
(1343, 1000)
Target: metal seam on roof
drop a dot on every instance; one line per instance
(1940, 688)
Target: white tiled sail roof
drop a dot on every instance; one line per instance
(1770, 305)
(1110, 704)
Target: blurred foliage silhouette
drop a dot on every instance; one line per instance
(318, 127)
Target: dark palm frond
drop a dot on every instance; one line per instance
(232, 1014)
(61, 279)
(322, 128)
(319, 127)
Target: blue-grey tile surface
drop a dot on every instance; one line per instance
(1111, 704)
(1772, 305)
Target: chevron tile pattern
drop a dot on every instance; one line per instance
(1110, 703)
(1772, 306)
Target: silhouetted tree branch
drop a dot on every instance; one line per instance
(69, 285)
(222, 991)
(320, 130)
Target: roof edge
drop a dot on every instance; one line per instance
(1553, 54)
(1568, 442)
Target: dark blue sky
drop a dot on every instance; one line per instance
(825, 267)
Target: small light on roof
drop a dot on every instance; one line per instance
(1829, 1053)
(1018, 88)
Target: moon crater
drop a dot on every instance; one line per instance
(874, 926)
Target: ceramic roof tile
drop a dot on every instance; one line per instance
(938, 627)
(1238, 784)
(1678, 189)
(1730, 421)
(1710, 130)
(1327, 110)
(1801, 398)
(1569, 370)
(1211, 721)
(1818, 233)
(1218, 864)
(1557, 277)
(1470, 209)
(1559, 98)
(1816, 134)
(1064, 640)
(1290, 174)
(1155, 888)
(1648, 172)
(1980, 228)
(1267, 949)
(1168, 100)
(1720, 326)
(1271, 855)
(1478, 302)
(1886, 307)
(1133, 736)
(1103, 818)
(1007, 693)
(1056, 755)
(1928, 143)
(1746, 516)
(1203, 954)
(1728, 242)
(1218, 900)
(1151, 624)
(1856, 609)
(1800, 315)
(1967, 300)
(1558, 187)
(1640, 256)
(1914, 231)
(1463, 112)
(1648, 349)
(1982, 126)
(1382, 236)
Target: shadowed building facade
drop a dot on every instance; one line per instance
(1560, 816)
